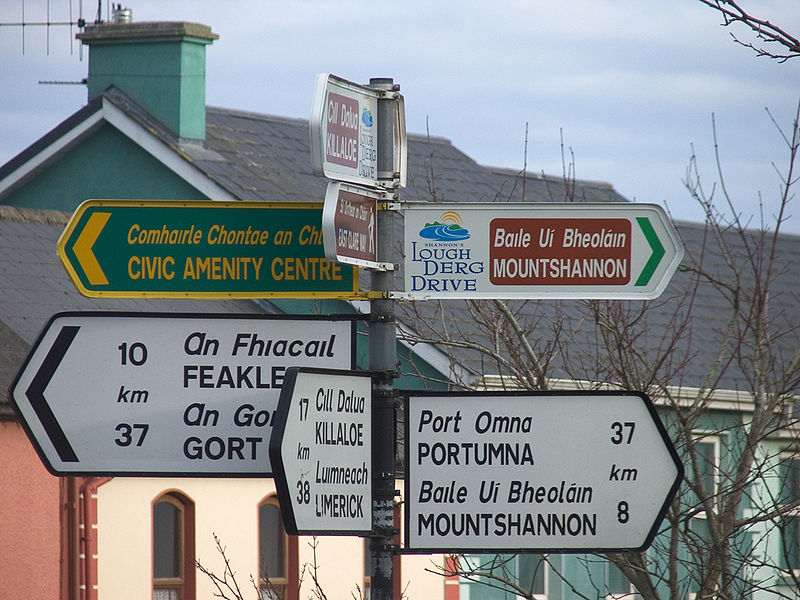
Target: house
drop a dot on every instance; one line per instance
(80, 555)
(145, 133)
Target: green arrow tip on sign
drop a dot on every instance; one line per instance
(656, 247)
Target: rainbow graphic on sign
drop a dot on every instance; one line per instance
(447, 228)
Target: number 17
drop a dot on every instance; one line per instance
(303, 409)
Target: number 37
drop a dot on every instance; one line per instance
(619, 430)
(126, 431)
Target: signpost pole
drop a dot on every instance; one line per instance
(382, 363)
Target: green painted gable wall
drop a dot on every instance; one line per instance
(105, 165)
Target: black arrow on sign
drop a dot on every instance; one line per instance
(35, 393)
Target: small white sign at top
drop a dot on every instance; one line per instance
(344, 132)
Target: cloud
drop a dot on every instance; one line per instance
(631, 84)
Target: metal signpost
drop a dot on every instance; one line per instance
(371, 151)
(167, 394)
(560, 472)
(544, 250)
(195, 249)
(321, 451)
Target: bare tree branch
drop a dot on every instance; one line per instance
(767, 33)
(712, 542)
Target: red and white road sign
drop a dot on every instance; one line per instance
(349, 224)
(541, 250)
(344, 132)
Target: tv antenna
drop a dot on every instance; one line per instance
(121, 14)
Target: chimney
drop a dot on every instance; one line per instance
(161, 65)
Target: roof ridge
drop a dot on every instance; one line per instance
(424, 137)
(542, 176)
(250, 114)
(16, 214)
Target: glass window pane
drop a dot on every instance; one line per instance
(791, 552)
(706, 463)
(271, 539)
(166, 541)
(530, 572)
(617, 582)
(266, 593)
(790, 484)
(485, 588)
(555, 583)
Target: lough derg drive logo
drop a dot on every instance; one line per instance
(450, 230)
(366, 117)
(441, 261)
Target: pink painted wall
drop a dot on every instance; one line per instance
(29, 519)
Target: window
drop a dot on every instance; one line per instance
(790, 542)
(531, 573)
(707, 458)
(617, 583)
(528, 570)
(707, 449)
(790, 479)
(790, 522)
(278, 554)
(706, 472)
(173, 548)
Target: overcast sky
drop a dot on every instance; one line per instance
(631, 86)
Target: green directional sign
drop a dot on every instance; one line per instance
(194, 249)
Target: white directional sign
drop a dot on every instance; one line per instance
(166, 394)
(561, 472)
(549, 250)
(321, 452)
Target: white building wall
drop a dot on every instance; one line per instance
(227, 507)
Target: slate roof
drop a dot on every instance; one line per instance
(263, 157)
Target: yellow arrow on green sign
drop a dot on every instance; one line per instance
(83, 248)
